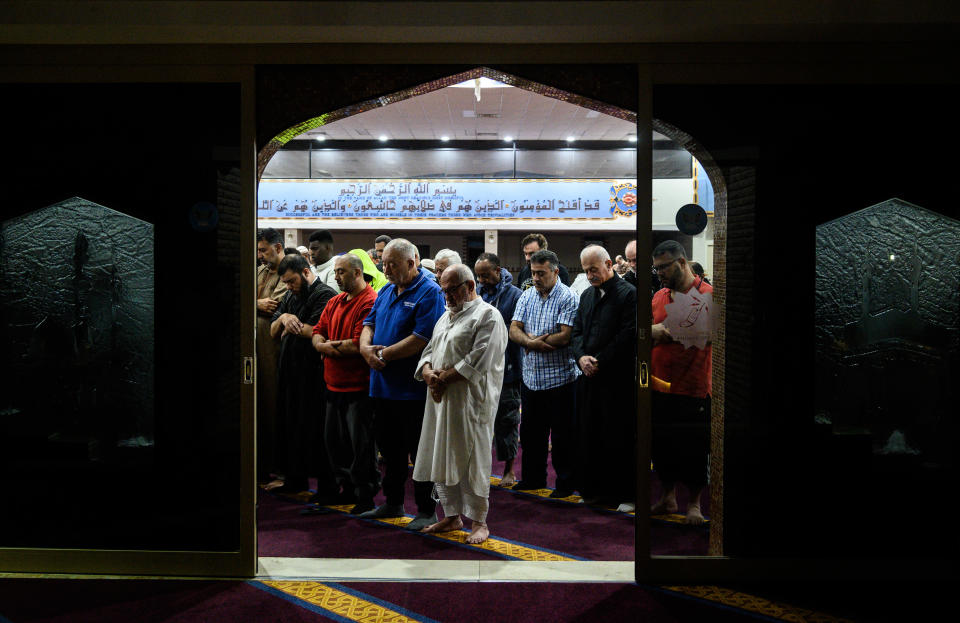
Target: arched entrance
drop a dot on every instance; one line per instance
(279, 140)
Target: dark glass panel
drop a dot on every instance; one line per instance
(119, 402)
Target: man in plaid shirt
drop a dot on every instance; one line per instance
(542, 325)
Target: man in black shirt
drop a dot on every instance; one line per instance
(604, 345)
(532, 243)
(300, 379)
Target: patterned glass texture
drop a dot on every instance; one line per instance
(887, 338)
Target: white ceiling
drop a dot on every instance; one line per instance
(501, 112)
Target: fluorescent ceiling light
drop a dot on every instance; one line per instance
(485, 83)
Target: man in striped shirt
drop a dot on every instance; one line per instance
(542, 325)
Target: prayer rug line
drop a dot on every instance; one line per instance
(743, 602)
(576, 500)
(339, 602)
(506, 549)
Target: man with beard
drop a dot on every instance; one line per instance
(542, 325)
(463, 367)
(270, 290)
(320, 244)
(604, 344)
(348, 429)
(300, 379)
(681, 418)
(395, 332)
(496, 288)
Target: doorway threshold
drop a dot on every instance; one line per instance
(376, 570)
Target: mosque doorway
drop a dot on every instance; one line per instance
(558, 138)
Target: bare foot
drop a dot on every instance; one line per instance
(273, 484)
(666, 506)
(694, 516)
(509, 479)
(479, 534)
(447, 524)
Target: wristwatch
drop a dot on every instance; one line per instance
(380, 356)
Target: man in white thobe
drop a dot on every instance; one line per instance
(463, 367)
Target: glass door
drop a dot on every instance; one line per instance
(124, 440)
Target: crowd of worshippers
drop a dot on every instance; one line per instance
(378, 355)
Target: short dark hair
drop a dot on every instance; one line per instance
(291, 251)
(383, 239)
(670, 247)
(697, 268)
(538, 238)
(292, 261)
(321, 235)
(269, 235)
(489, 257)
(546, 257)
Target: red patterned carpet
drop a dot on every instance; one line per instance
(571, 529)
(172, 601)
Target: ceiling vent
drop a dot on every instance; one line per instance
(488, 134)
(488, 115)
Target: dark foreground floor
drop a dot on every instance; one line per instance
(148, 601)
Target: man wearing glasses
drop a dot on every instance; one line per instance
(394, 333)
(463, 367)
(681, 418)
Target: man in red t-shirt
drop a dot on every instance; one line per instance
(681, 418)
(348, 428)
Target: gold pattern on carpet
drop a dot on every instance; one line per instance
(492, 544)
(675, 518)
(338, 602)
(752, 603)
(545, 493)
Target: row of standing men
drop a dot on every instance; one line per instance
(359, 363)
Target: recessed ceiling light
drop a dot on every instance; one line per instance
(444, 138)
(632, 138)
(485, 83)
(570, 139)
(320, 137)
(507, 138)
(383, 138)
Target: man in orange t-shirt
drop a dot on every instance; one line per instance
(681, 418)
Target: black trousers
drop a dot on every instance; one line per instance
(300, 435)
(680, 439)
(505, 425)
(548, 414)
(396, 425)
(607, 427)
(348, 433)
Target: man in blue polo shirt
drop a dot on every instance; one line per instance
(543, 325)
(394, 332)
